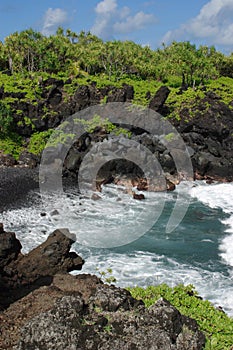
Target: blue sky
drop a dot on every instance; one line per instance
(208, 22)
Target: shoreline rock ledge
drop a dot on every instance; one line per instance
(47, 308)
(20, 274)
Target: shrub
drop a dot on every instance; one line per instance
(215, 324)
(38, 141)
(6, 118)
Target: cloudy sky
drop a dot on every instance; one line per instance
(208, 22)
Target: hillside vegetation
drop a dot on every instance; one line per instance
(27, 59)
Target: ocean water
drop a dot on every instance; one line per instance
(198, 251)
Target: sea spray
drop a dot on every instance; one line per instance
(199, 251)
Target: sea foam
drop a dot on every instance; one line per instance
(219, 196)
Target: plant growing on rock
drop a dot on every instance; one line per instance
(215, 324)
(6, 118)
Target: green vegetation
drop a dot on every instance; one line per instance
(85, 55)
(106, 276)
(216, 325)
(6, 118)
(189, 101)
(12, 144)
(38, 141)
(28, 59)
(98, 121)
(223, 87)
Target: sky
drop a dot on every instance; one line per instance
(203, 22)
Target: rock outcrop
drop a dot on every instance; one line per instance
(209, 135)
(46, 308)
(20, 274)
(111, 319)
(80, 312)
(206, 129)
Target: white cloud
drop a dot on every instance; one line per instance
(53, 19)
(112, 20)
(132, 23)
(105, 7)
(214, 23)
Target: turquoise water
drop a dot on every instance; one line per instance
(199, 251)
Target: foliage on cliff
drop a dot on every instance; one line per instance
(28, 60)
(216, 325)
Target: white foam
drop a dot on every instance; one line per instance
(143, 269)
(215, 196)
(133, 268)
(219, 196)
(115, 220)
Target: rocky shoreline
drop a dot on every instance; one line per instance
(206, 130)
(42, 306)
(39, 300)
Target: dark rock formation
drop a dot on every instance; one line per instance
(157, 102)
(22, 273)
(10, 248)
(50, 309)
(7, 160)
(139, 196)
(110, 319)
(207, 130)
(28, 159)
(209, 134)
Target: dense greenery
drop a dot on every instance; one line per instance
(86, 54)
(28, 58)
(216, 325)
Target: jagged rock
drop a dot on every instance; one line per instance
(50, 257)
(126, 93)
(54, 96)
(111, 298)
(170, 185)
(159, 99)
(10, 247)
(123, 323)
(42, 300)
(23, 273)
(7, 160)
(209, 130)
(81, 313)
(138, 196)
(95, 197)
(52, 82)
(29, 159)
(209, 134)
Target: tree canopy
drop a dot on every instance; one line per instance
(85, 53)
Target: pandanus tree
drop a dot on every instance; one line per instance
(22, 50)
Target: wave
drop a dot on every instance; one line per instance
(219, 196)
(137, 264)
(142, 269)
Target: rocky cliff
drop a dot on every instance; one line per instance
(43, 307)
(206, 129)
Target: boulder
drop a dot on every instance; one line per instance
(21, 274)
(29, 159)
(157, 102)
(50, 257)
(139, 196)
(10, 247)
(7, 160)
(111, 319)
